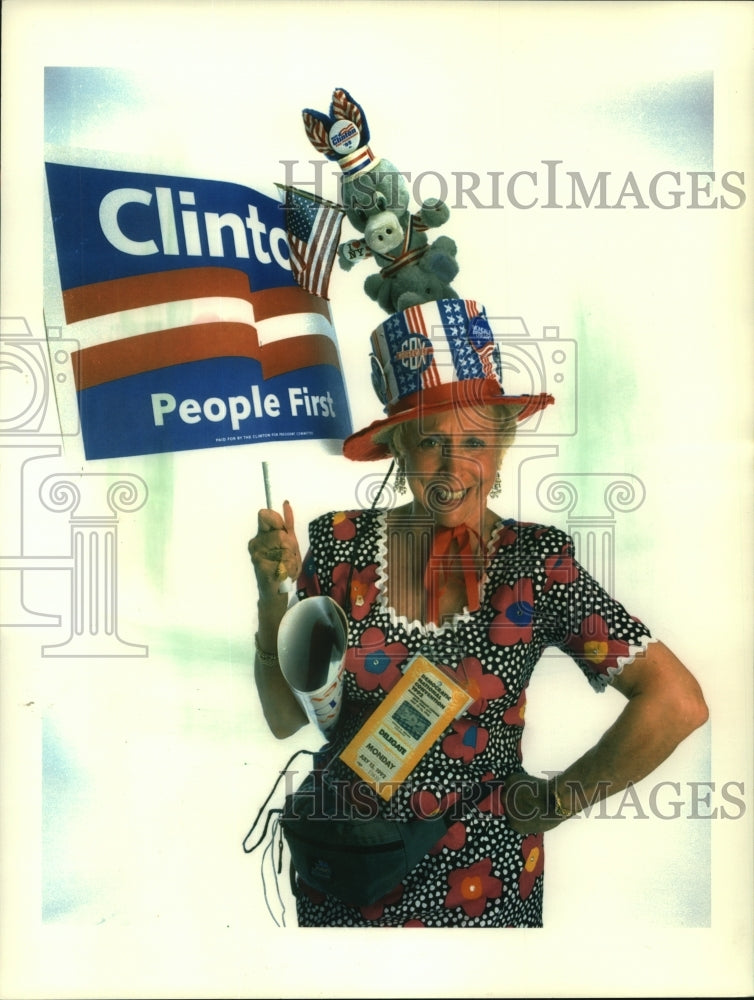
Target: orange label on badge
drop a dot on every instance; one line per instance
(405, 725)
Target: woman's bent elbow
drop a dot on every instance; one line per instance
(283, 727)
(697, 712)
(283, 733)
(690, 709)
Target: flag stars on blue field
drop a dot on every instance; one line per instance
(452, 306)
(301, 215)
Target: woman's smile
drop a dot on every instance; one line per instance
(450, 467)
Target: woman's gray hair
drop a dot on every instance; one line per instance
(505, 419)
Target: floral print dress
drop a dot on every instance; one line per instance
(482, 873)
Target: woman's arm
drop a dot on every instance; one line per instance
(665, 704)
(274, 555)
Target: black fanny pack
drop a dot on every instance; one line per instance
(354, 851)
(358, 858)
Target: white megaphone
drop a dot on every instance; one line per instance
(312, 642)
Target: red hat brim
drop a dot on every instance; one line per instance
(361, 446)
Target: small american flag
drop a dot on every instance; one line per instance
(313, 226)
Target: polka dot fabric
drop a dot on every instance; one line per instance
(482, 873)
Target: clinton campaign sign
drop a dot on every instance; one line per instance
(191, 329)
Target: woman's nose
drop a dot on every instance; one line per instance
(455, 460)
(452, 458)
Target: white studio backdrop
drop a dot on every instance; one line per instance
(130, 778)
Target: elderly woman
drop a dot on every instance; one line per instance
(446, 576)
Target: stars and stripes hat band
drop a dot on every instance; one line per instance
(430, 358)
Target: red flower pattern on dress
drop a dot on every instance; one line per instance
(507, 534)
(414, 922)
(533, 850)
(465, 741)
(425, 804)
(483, 686)
(363, 588)
(546, 565)
(560, 569)
(454, 839)
(515, 607)
(374, 662)
(375, 910)
(539, 529)
(308, 581)
(472, 887)
(493, 801)
(593, 643)
(343, 524)
(514, 716)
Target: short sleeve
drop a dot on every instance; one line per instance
(580, 617)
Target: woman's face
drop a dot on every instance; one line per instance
(451, 461)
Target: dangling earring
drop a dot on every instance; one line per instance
(497, 487)
(400, 481)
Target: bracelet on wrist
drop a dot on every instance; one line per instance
(266, 659)
(557, 806)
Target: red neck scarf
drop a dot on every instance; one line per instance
(453, 550)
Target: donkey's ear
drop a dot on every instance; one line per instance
(317, 128)
(344, 106)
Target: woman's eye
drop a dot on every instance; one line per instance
(475, 443)
(429, 442)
